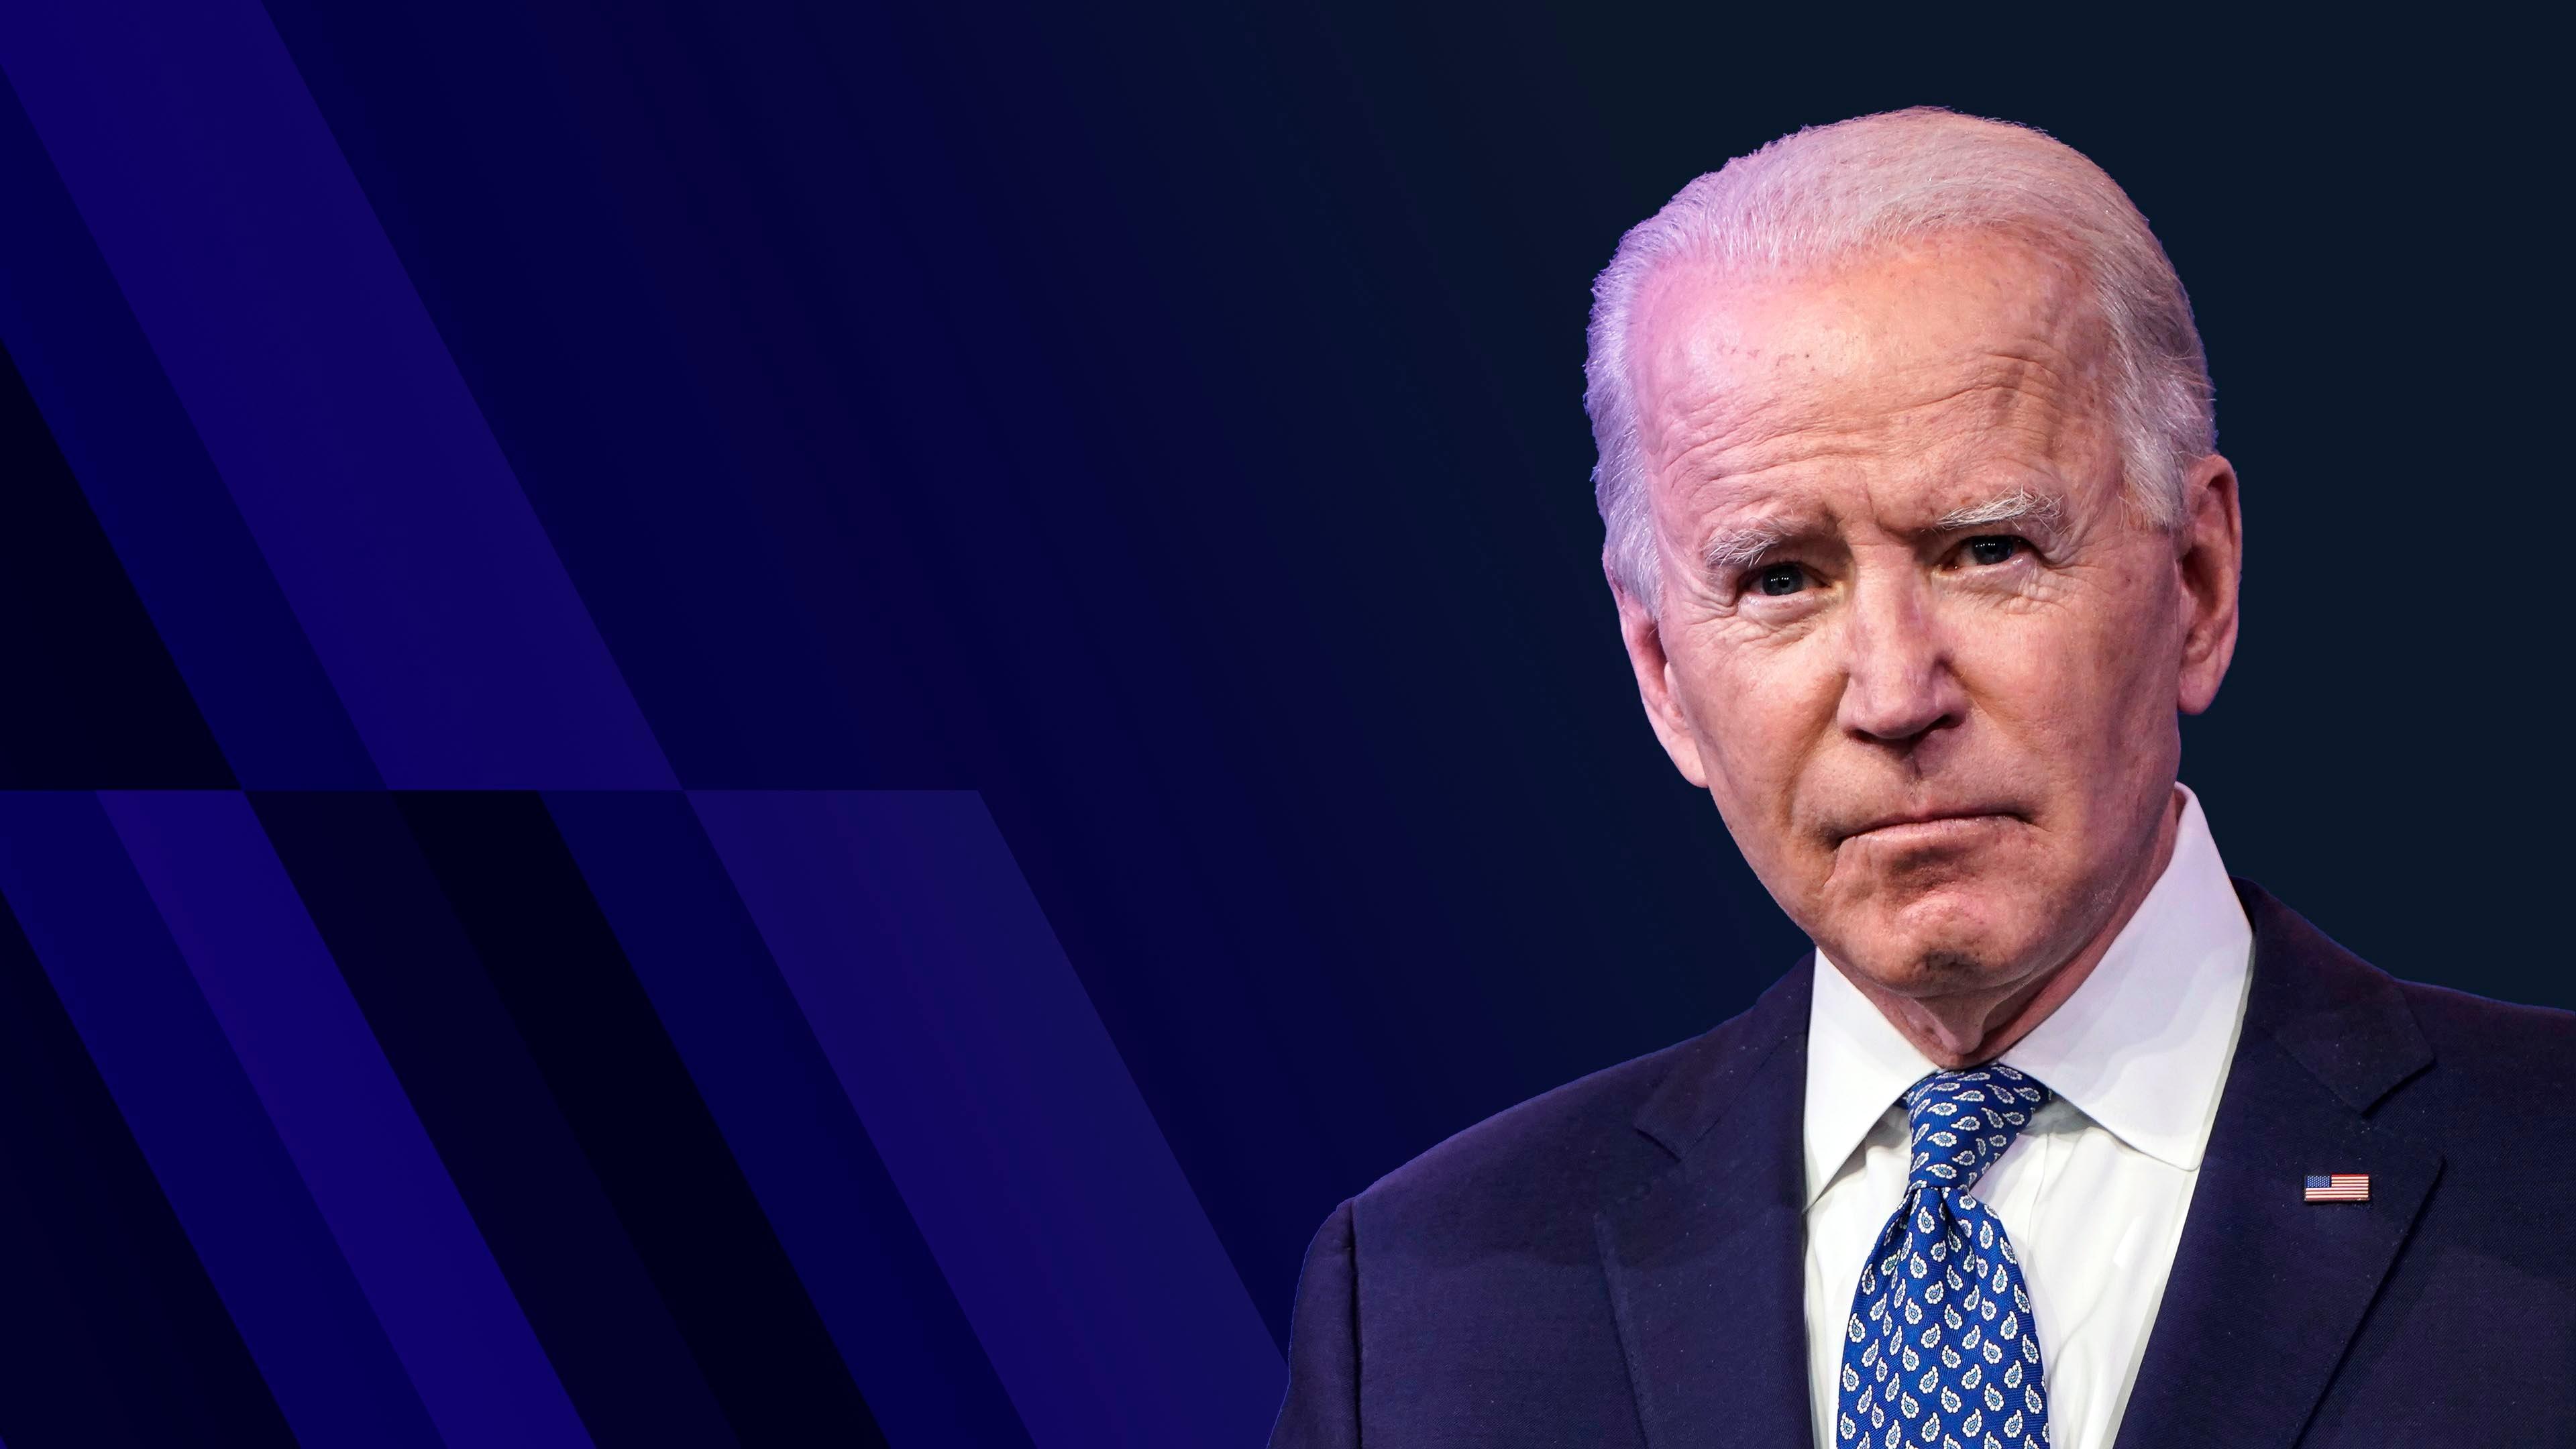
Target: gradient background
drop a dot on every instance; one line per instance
(798, 724)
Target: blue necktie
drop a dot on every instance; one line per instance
(1939, 1350)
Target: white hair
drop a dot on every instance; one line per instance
(1827, 192)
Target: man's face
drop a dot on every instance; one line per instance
(1912, 640)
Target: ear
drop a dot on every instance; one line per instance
(1645, 640)
(2210, 559)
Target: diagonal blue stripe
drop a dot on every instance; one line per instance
(549, 1218)
(156, 494)
(1004, 1113)
(308, 366)
(250, 1217)
(790, 1126)
(343, 1118)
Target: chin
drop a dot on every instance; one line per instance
(1956, 938)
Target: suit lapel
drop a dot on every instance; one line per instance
(2266, 1288)
(1706, 1263)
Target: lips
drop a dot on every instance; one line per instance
(1927, 823)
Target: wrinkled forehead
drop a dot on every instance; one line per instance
(1977, 341)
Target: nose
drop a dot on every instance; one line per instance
(1898, 686)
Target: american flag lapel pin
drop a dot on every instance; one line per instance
(2339, 1187)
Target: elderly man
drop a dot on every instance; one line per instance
(1921, 545)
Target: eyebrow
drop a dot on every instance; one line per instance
(2021, 505)
(1731, 548)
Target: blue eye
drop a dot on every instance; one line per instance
(1778, 579)
(1993, 548)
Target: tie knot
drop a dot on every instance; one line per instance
(1962, 1121)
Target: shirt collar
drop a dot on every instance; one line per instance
(2141, 1048)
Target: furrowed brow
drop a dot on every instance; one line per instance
(2022, 505)
(1732, 548)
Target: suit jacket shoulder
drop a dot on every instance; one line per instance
(2399, 1051)
(1462, 1298)
(2291, 1322)
(2522, 1056)
(1534, 1174)
(1529, 1179)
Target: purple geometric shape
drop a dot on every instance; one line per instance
(157, 496)
(343, 1118)
(326, 398)
(1004, 1112)
(216, 1154)
(786, 1118)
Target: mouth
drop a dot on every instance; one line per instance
(1926, 827)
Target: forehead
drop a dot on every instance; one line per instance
(1965, 348)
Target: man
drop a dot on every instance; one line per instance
(1921, 545)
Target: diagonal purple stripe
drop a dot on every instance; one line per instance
(157, 496)
(786, 1118)
(301, 352)
(343, 1118)
(1004, 1113)
(247, 1211)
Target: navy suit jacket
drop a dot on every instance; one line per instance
(1620, 1262)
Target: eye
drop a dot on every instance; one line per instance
(1993, 548)
(1780, 578)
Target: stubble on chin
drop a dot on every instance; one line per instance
(1943, 970)
(1930, 971)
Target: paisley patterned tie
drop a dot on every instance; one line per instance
(1939, 1350)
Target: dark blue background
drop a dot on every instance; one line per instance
(1165, 422)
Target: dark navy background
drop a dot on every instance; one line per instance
(548, 504)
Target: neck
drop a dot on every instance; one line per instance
(1965, 1029)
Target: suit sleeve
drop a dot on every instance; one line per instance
(1323, 1406)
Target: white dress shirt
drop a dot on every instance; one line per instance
(2093, 1192)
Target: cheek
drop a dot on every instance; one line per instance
(2041, 674)
(1760, 708)
(2078, 681)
